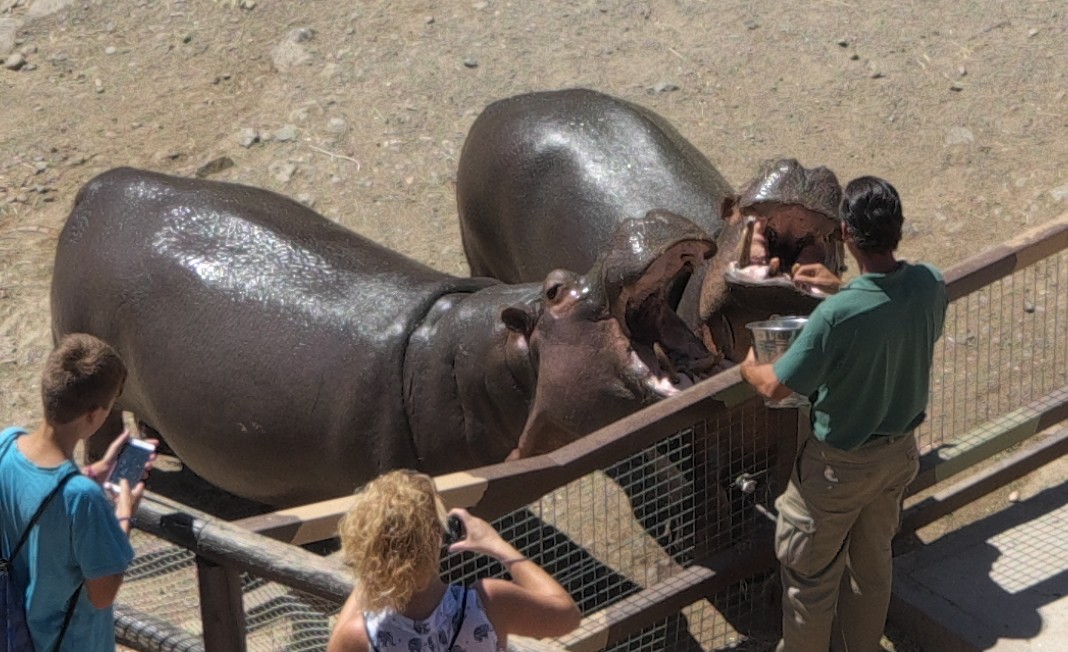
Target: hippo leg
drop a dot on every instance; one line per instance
(98, 444)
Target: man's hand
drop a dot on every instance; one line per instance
(816, 276)
(762, 377)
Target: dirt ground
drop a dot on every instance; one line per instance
(360, 109)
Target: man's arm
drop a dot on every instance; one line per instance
(763, 379)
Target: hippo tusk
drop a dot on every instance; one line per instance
(747, 241)
(665, 363)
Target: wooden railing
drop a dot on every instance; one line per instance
(263, 545)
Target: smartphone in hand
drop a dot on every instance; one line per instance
(130, 464)
(454, 530)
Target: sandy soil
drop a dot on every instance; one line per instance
(360, 109)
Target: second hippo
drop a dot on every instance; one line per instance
(544, 179)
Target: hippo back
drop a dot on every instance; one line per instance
(251, 327)
(545, 178)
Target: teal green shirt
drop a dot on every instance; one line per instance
(864, 357)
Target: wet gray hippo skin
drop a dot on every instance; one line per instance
(544, 178)
(287, 359)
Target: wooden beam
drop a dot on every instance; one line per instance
(498, 489)
(991, 438)
(222, 610)
(238, 549)
(1002, 260)
(655, 603)
(494, 490)
(932, 508)
(143, 631)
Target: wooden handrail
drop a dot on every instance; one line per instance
(494, 490)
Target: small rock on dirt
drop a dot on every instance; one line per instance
(663, 87)
(214, 166)
(301, 35)
(248, 137)
(1014, 497)
(959, 136)
(42, 8)
(286, 133)
(282, 171)
(471, 62)
(1060, 193)
(288, 55)
(336, 126)
(9, 27)
(14, 61)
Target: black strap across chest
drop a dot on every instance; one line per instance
(6, 562)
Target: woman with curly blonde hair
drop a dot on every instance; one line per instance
(392, 537)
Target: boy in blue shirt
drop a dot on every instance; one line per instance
(79, 548)
(864, 358)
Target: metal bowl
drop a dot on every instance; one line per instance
(772, 337)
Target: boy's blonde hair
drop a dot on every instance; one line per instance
(391, 538)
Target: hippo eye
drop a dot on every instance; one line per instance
(552, 291)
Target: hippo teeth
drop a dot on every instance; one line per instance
(644, 362)
(762, 276)
(661, 386)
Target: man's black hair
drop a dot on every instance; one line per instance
(871, 210)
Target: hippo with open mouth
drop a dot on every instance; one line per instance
(784, 218)
(544, 179)
(287, 359)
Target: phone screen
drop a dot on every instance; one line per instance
(130, 464)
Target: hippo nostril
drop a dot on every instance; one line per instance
(557, 282)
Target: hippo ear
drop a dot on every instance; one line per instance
(520, 318)
(730, 210)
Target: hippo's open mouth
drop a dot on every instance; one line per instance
(771, 258)
(666, 352)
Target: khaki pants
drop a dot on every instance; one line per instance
(837, 518)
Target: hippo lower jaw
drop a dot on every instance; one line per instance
(771, 264)
(768, 276)
(665, 353)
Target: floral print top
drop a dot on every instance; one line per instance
(459, 624)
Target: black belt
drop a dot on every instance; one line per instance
(888, 438)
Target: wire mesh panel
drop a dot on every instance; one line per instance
(1004, 346)
(160, 588)
(645, 543)
(642, 521)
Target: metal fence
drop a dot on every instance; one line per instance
(659, 524)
